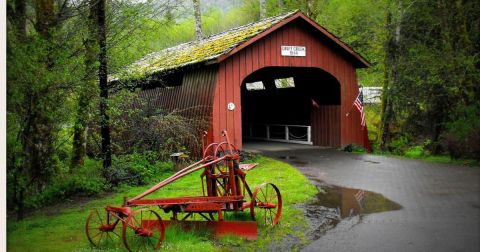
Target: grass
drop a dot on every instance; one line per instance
(443, 159)
(64, 230)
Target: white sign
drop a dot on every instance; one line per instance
(231, 106)
(294, 51)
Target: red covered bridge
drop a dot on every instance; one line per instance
(283, 78)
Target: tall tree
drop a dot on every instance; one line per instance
(391, 73)
(198, 19)
(263, 9)
(100, 9)
(17, 15)
(86, 90)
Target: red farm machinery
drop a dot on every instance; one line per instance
(225, 190)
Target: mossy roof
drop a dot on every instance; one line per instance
(211, 48)
(198, 51)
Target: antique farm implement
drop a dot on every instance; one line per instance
(225, 190)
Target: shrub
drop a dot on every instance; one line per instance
(416, 151)
(399, 145)
(462, 137)
(139, 126)
(136, 168)
(86, 181)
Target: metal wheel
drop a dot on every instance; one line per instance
(266, 206)
(143, 231)
(101, 229)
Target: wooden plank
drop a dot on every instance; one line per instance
(235, 93)
(261, 53)
(229, 94)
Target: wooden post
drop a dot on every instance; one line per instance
(268, 132)
(309, 134)
(286, 133)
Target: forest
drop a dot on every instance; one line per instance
(69, 132)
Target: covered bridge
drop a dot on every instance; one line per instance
(284, 78)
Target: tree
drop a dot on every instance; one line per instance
(36, 94)
(391, 74)
(99, 8)
(198, 19)
(87, 90)
(431, 68)
(263, 9)
(18, 17)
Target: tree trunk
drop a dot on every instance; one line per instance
(391, 75)
(37, 137)
(281, 5)
(263, 9)
(86, 90)
(17, 15)
(45, 12)
(102, 79)
(310, 6)
(79, 148)
(198, 19)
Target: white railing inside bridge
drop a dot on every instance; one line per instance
(300, 134)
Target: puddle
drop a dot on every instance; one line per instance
(333, 204)
(287, 157)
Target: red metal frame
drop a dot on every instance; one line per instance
(224, 187)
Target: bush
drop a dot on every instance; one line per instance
(136, 168)
(462, 137)
(138, 126)
(416, 151)
(399, 145)
(86, 181)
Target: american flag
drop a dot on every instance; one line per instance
(359, 105)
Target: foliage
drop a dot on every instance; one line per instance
(373, 119)
(138, 126)
(85, 182)
(416, 151)
(428, 95)
(462, 137)
(137, 169)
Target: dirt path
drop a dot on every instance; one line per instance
(440, 203)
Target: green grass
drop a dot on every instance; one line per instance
(64, 230)
(443, 159)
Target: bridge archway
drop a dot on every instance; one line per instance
(291, 104)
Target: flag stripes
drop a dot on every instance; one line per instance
(359, 105)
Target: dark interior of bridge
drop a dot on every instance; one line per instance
(269, 100)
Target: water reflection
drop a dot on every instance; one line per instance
(334, 203)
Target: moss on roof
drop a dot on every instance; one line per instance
(198, 51)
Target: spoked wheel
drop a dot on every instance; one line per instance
(266, 206)
(143, 231)
(101, 228)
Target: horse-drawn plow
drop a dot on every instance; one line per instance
(224, 188)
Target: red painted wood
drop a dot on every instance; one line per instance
(356, 58)
(338, 129)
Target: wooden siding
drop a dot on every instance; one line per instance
(194, 98)
(326, 126)
(320, 53)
